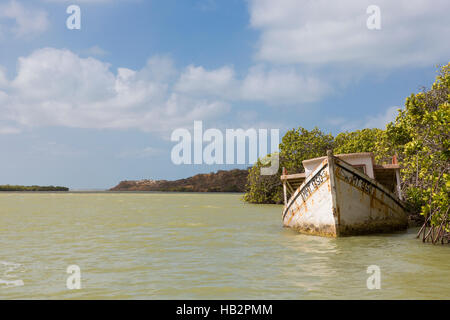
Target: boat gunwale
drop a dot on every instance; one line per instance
(368, 179)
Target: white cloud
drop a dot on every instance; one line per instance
(58, 88)
(160, 69)
(27, 21)
(381, 120)
(55, 149)
(324, 32)
(207, 5)
(197, 80)
(280, 86)
(146, 152)
(372, 121)
(83, 1)
(271, 85)
(95, 51)
(88, 2)
(9, 130)
(3, 78)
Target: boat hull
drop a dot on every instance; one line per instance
(338, 200)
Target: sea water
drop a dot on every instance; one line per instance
(197, 246)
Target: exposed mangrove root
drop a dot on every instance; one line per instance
(436, 233)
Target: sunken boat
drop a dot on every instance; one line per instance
(344, 195)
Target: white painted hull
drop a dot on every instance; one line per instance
(338, 200)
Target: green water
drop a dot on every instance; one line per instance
(197, 246)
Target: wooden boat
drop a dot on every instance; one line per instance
(344, 195)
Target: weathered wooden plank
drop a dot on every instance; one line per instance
(293, 176)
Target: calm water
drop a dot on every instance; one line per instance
(197, 246)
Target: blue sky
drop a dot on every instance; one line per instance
(88, 108)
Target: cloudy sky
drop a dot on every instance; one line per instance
(87, 108)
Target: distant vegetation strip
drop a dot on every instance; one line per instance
(31, 188)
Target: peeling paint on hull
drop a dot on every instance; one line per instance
(338, 200)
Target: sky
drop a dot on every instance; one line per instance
(89, 107)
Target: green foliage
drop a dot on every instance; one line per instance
(357, 141)
(420, 135)
(263, 188)
(31, 188)
(300, 144)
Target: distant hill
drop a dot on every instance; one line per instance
(221, 181)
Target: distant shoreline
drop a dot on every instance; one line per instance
(17, 188)
(222, 181)
(123, 192)
(234, 180)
